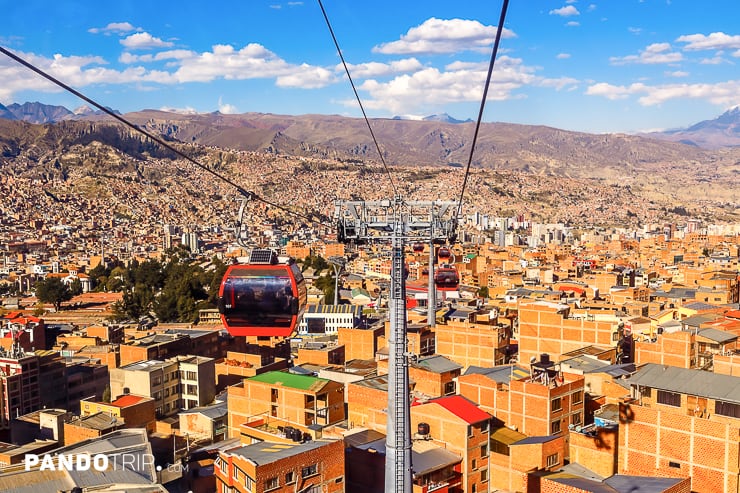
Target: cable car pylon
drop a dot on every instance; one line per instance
(398, 221)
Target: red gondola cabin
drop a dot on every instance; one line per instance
(262, 297)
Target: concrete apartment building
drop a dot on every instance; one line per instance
(321, 320)
(19, 385)
(541, 401)
(299, 400)
(178, 383)
(313, 466)
(682, 423)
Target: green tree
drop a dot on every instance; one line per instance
(53, 290)
(106, 394)
(483, 292)
(326, 284)
(76, 287)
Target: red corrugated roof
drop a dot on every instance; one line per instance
(733, 314)
(463, 408)
(127, 400)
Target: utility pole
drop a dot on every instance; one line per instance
(397, 221)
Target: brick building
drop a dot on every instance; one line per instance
(513, 455)
(464, 429)
(135, 411)
(473, 344)
(540, 402)
(360, 342)
(546, 327)
(297, 399)
(282, 467)
(433, 376)
(682, 423)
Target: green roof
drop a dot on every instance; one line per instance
(301, 382)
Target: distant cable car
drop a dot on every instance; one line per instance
(446, 279)
(444, 253)
(418, 247)
(262, 297)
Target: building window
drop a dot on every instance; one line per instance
(271, 484)
(556, 404)
(484, 427)
(727, 409)
(674, 464)
(552, 460)
(484, 475)
(575, 419)
(484, 450)
(555, 427)
(309, 471)
(669, 398)
(289, 478)
(449, 388)
(473, 464)
(577, 397)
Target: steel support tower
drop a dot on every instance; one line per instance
(398, 221)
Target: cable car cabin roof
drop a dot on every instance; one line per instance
(446, 279)
(262, 300)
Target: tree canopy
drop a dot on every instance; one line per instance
(53, 290)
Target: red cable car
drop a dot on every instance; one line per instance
(446, 279)
(444, 253)
(418, 247)
(262, 297)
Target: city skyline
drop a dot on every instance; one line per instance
(586, 66)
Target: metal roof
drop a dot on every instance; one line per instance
(686, 381)
(268, 452)
(438, 364)
(641, 484)
(540, 439)
(717, 335)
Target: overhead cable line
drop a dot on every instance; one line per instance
(357, 96)
(500, 30)
(246, 193)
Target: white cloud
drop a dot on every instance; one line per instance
(565, 11)
(722, 93)
(573, 24)
(677, 73)
(226, 109)
(562, 56)
(715, 60)
(444, 36)
(635, 30)
(253, 61)
(129, 58)
(715, 41)
(591, 7)
(459, 82)
(141, 41)
(114, 28)
(378, 69)
(653, 54)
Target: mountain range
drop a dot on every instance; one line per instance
(672, 166)
(723, 131)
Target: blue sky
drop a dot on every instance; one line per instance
(601, 66)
